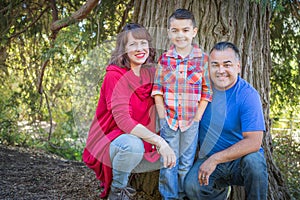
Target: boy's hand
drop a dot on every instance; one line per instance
(197, 119)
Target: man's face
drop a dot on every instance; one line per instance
(224, 68)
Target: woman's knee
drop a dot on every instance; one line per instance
(128, 143)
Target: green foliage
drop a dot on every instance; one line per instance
(285, 48)
(72, 78)
(285, 92)
(8, 115)
(286, 141)
(77, 61)
(64, 140)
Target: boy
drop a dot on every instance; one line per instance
(181, 91)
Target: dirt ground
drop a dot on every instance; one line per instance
(32, 174)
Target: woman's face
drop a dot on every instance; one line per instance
(137, 51)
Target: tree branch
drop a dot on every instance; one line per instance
(30, 25)
(54, 11)
(41, 77)
(295, 5)
(125, 15)
(10, 6)
(75, 17)
(50, 116)
(57, 25)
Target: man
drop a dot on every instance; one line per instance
(230, 134)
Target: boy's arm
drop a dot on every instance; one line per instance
(206, 93)
(201, 108)
(159, 103)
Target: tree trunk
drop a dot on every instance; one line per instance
(246, 24)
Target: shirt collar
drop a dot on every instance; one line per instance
(195, 53)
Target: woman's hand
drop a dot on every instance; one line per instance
(167, 153)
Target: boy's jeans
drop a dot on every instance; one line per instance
(249, 171)
(126, 155)
(184, 145)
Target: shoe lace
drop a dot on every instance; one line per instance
(128, 192)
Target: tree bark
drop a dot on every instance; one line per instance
(246, 24)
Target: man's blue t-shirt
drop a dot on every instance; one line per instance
(230, 113)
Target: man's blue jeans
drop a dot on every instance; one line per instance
(126, 155)
(249, 171)
(184, 145)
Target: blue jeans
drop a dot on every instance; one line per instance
(126, 155)
(249, 171)
(184, 144)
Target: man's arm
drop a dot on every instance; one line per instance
(251, 143)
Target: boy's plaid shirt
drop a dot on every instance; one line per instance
(183, 82)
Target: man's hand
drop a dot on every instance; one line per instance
(205, 170)
(251, 143)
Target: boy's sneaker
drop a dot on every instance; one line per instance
(126, 193)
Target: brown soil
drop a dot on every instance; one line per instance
(34, 174)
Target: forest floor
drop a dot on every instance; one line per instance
(34, 175)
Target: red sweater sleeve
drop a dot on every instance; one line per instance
(110, 80)
(121, 104)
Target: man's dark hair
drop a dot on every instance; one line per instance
(221, 46)
(182, 14)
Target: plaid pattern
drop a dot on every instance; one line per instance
(183, 82)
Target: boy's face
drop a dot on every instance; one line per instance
(181, 33)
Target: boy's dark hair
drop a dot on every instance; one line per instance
(182, 14)
(221, 46)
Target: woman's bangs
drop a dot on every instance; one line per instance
(140, 33)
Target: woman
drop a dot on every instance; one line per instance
(122, 137)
